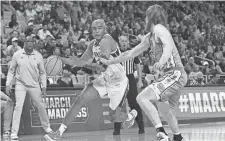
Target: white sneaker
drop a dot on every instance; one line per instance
(6, 134)
(162, 137)
(14, 137)
(53, 136)
(130, 122)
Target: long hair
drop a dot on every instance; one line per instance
(156, 15)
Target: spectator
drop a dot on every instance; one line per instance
(30, 29)
(206, 69)
(30, 13)
(65, 80)
(218, 55)
(14, 47)
(190, 66)
(222, 64)
(141, 34)
(44, 32)
(13, 23)
(39, 18)
(218, 69)
(56, 51)
(214, 80)
(60, 10)
(67, 53)
(84, 15)
(16, 34)
(71, 42)
(196, 77)
(48, 46)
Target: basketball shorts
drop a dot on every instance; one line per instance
(167, 87)
(114, 83)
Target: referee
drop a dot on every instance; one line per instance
(133, 92)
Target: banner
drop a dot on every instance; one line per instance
(201, 102)
(57, 107)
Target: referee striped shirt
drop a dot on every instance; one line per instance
(128, 65)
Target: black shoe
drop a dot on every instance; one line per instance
(116, 132)
(141, 131)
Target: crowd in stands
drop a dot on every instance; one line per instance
(63, 28)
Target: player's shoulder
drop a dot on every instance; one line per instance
(108, 37)
(160, 30)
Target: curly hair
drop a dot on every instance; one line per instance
(156, 15)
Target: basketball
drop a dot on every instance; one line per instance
(53, 66)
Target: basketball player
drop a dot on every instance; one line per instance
(111, 81)
(166, 90)
(28, 69)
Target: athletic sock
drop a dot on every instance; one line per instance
(161, 129)
(158, 125)
(177, 137)
(62, 129)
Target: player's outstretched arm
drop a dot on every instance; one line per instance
(106, 46)
(79, 62)
(137, 50)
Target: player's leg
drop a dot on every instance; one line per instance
(131, 97)
(20, 94)
(7, 111)
(146, 99)
(172, 96)
(89, 93)
(36, 96)
(120, 114)
(117, 127)
(152, 94)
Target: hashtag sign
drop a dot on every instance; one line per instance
(183, 103)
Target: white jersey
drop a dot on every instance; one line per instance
(113, 81)
(115, 72)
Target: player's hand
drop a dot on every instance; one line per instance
(104, 61)
(158, 66)
(43, 92)
(8, 90)
(139, 83)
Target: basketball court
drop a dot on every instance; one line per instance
(193, 132)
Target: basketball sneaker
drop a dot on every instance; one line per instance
(6, 134)
(161, 136)
(130, 121)
(14, 137)
(183, 139)
(53, 136)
